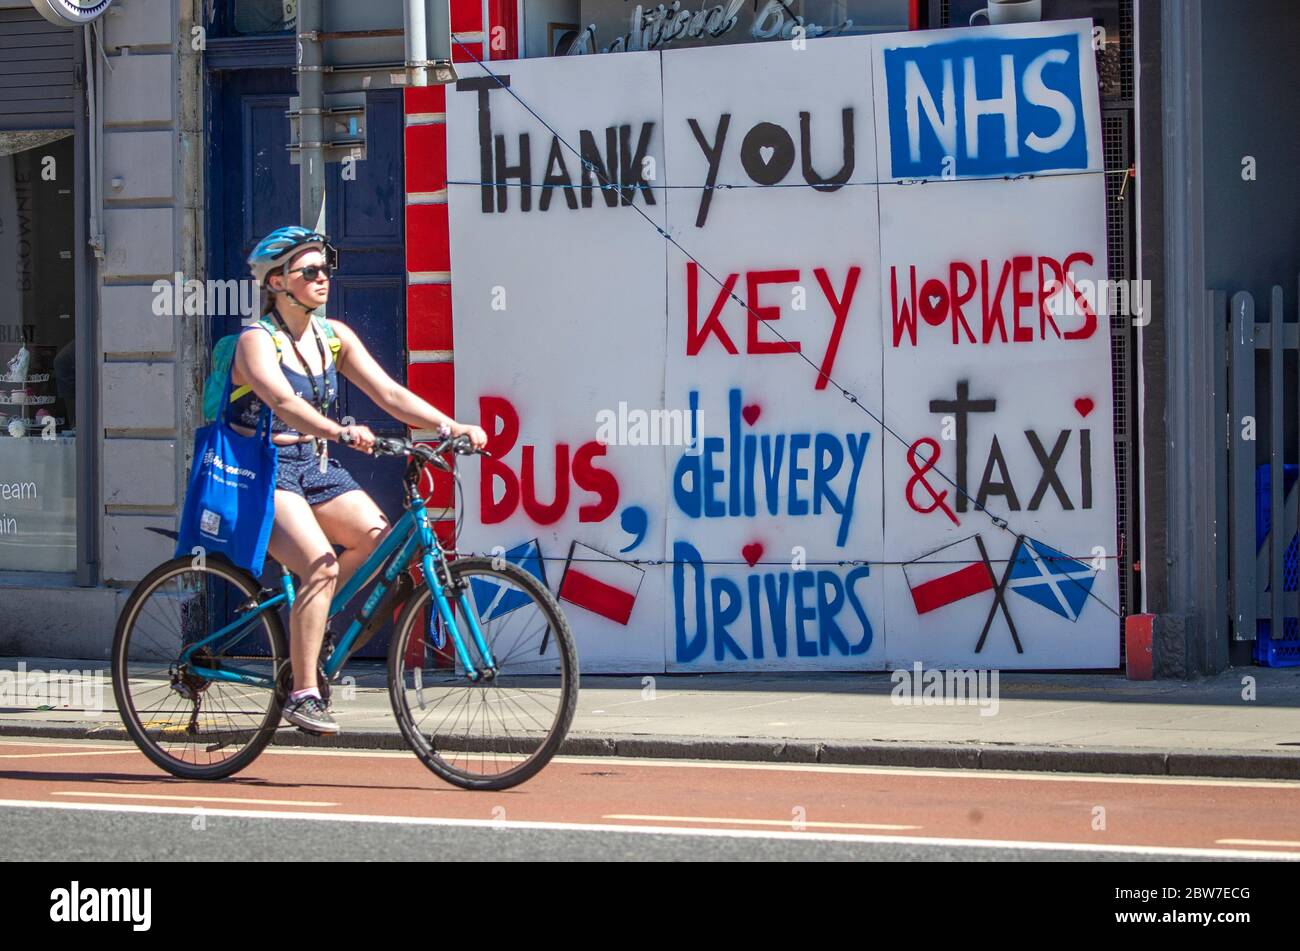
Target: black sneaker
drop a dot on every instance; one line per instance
(310, 715)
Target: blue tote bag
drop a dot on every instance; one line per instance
(230, 500)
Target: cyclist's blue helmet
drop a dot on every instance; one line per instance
(278, 247)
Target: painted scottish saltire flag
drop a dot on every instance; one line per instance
(1051, 578)
(494, 600)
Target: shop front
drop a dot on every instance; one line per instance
(193, 153)
(43, 317)
(96, 135)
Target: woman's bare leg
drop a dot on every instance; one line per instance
(354, 521)
(298, 543)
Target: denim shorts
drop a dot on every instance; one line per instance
(299, 472)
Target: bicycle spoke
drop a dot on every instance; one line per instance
(429, 712)
(454, 708)
(189, 720)
(489, 730)
(511, 700)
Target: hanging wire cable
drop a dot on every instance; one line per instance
(717, 186)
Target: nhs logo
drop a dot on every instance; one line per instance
(991, 106)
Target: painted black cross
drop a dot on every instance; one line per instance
(999, 594)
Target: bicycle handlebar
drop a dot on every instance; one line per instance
(385, 446)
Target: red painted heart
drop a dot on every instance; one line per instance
(934, 302)
(751, 413)
(1084, 406)
(752, 552)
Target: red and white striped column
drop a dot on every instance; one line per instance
(489, 30)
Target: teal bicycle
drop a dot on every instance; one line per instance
(482, 669)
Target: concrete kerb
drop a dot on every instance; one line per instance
(1136, 762)
(1238, 765)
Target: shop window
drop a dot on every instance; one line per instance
(38, 422)
(263, 16)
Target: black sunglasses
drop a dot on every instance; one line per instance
(312, 271)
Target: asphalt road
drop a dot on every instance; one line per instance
(85, 800)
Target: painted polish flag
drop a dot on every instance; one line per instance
(948, 575)
(601, 583)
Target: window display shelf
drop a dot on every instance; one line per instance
(28, 400)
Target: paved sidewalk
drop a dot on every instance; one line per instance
(1072, 722)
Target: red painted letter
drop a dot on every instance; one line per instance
(1020, 266)
(600, 481)
(755, 280)
(841, 310)
(491, 410)
(695, 336)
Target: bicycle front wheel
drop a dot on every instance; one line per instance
(490, 734)
(184, 720)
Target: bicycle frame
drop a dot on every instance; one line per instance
(410, 538)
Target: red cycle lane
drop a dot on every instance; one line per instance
(1089, 811)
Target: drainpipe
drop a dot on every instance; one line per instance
(311, 100)
(417, 57)
(94, 101)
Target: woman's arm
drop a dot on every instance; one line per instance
(256, 360)
(356, 363)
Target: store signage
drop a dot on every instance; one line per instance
(1024, 93)
(71, 12)
(616, 28)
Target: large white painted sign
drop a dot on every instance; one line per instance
(859, 414)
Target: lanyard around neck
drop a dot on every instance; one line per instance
(329, 396)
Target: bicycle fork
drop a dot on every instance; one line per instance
(435, 580)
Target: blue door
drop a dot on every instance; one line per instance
(253, 188)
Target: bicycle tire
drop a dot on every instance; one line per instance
(121, 662)
(566, 654)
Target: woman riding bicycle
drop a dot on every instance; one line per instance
(317, 502)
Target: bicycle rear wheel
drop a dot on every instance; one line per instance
(491, 734)
(192, 726)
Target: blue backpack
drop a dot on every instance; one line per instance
(223, 355)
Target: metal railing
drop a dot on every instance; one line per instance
(1264, 493)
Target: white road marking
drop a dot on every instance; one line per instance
(55, 755)
(80, 744)
(664, 830)
(878, 827)
(234, 799)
